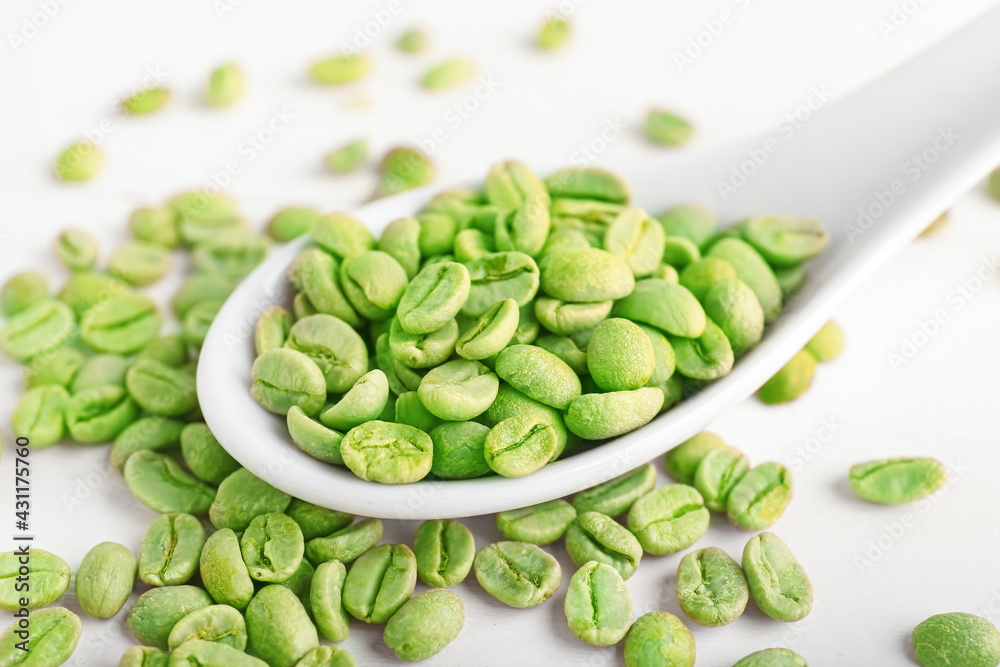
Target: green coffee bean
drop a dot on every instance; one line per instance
(342, 235)
(316, 521)
(104, 579)
(564, 348)
(437, 235)
(327, 656)
(225, 85)
(156, 612)
(498, 276)
(218, 623)
(734, 308)
(123, 324)
(204, 456)
(23, 291)
(828, 342)
(447, 74)
(491, 332)
(524, 229)
(333, 346)
(772, 657)
(459, 450)
(291, 223)
(279, 631)
(79, 162)
(145, 101)
(539, 524)
(154, 225)
(210, 654)
(423, 350)
(48, 574)
(700, 275)
(956, 639)
(458, 390)
(412, 41)
(600, 416)
(403, 169)
(620, 355)
(388, 453)
(518, 574)
(169, 350)
(315, 274)
(897, 481)
(284, 378)
(520, 445)
(100, 370)
(232, 255)
(339, 70)
(272, 547)
(668, 519)
(314, 438)
(325, 596)
(379, 582)
(163, 486)
(509, 184)
(40, 415)
(346, 544)
(374, 282)
(510, 403)
(272, 329)
(401, 239)
(598, 605)
(77, 250)
(139, 263)
(777, 581)
(665, 305)
(659, 638)
(552, 34)
(444, 551)
(568, 318)
(667, 129)
(99, 414)
(718, 473)
(786, 240)
(707, 357)
(434, 297)
(711, 587)
(637, 239)
(791, 381)
(38, 329)
(201, 215)
(695, 222)
(198, 289)
(223, 572)
(161, 389)
(243, 496)
(347, 158)
(170, 550)
(760, 497)
(597, 537)
(152, 433)
(679, 252)
(472, 244)
(751, 268)
(47, 639)
(58, 367)
(425, 625)
(586, 275)
(539, 374)
(144, 656)
(617, 495)
(588, 183)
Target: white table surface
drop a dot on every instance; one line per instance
(877, 570)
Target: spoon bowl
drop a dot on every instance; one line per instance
(875, 168)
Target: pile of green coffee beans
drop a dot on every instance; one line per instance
(497, 329)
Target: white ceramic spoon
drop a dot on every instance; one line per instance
(876, 168)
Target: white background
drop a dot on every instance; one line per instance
(877, 570)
